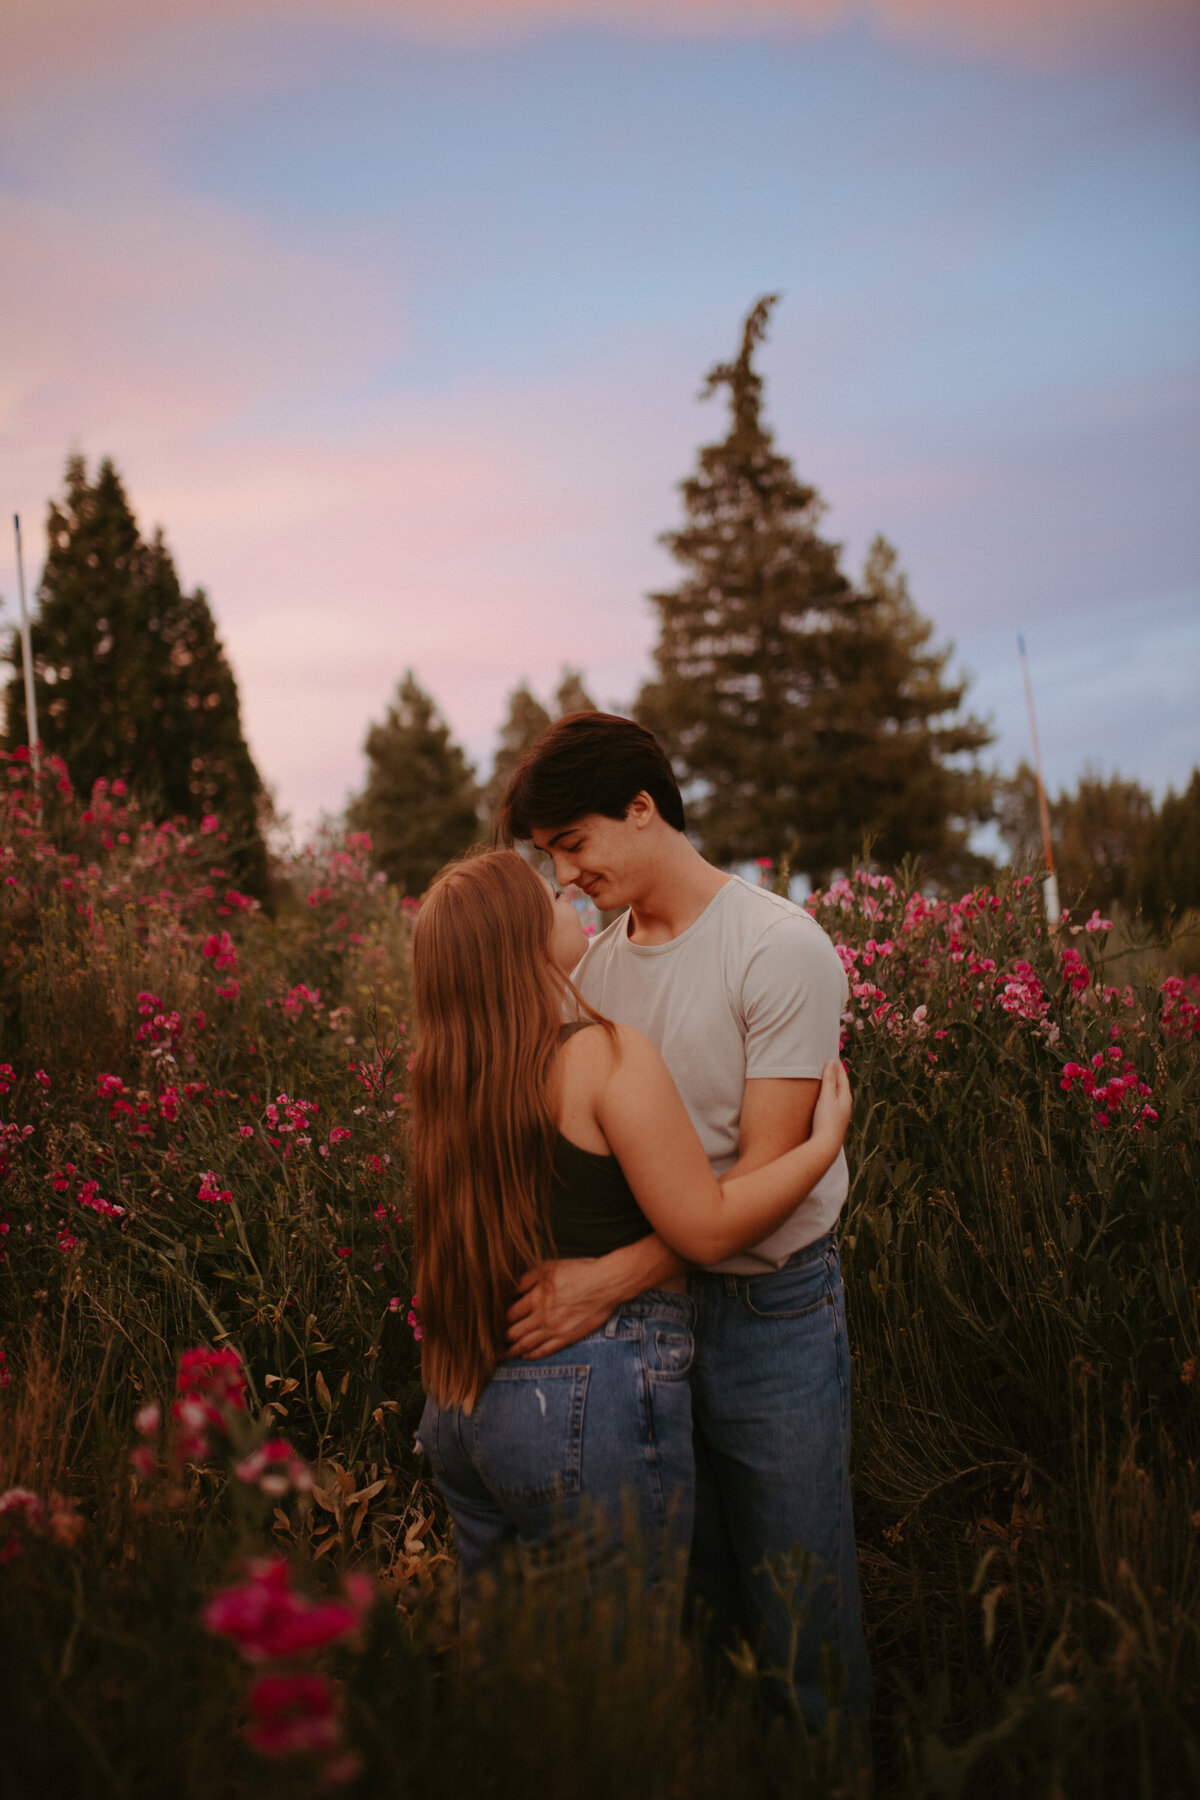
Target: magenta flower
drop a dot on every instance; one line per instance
(211, 1190)
(293, 1714)
(274, 1468)
(271, 1621)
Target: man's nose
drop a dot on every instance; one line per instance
(565, 871)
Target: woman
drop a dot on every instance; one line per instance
(534, 1138)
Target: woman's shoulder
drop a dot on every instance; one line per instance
(600, 1044)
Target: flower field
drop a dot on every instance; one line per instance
(221, 1566)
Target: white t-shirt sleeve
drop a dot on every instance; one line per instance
(793, 996)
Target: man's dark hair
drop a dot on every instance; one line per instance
(587, 762)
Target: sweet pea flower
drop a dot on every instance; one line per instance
(293, 1714)
(274, 1468)
(270, 1621)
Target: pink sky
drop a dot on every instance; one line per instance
(231, 352)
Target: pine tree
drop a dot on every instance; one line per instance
(571, 696)
(1164, 878)
(420, 803)
(1102, 836)
(893, 737)
(798, 711)
(527, 719)
(131, 680)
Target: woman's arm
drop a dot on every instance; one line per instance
(640, 1112)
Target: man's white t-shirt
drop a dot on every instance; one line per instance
(752, 989)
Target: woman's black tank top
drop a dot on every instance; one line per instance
(592, 1208)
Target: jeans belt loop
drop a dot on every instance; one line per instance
(612, 1324)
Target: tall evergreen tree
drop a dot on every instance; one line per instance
(1165, 877)
(799, 712)
(571, 695)
(893, 739)
(1100, 834)
(420, 803)
(527, 719)
(130, 678)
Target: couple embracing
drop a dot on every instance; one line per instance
(641, 1140)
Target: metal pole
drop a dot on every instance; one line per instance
(1050, 885)
(31, 723)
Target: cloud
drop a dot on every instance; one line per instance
(48, 41)
(475, 533)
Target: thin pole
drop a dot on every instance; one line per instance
(1050, 885)
(31, 720)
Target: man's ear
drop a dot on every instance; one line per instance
(642, 811)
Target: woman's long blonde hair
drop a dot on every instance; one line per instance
(488, 1006)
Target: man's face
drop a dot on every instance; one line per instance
(604, 857)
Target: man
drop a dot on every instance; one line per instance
(742, 993)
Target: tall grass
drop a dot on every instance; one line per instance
(1024, 1293)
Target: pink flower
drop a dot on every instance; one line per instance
(41, 1075)
(89, 1195)
(268, 1620)
(274, 1468)
(215, 1378)
(1096, 923)
(211, 1190)
(209, 823)
(26, 1505)
(191, 1418)
(222, 950)
(147, 1419)
(141, 1460)
(293, 1714)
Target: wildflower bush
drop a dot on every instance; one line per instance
(218, 1552)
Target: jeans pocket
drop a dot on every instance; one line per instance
(668, 1351)
(792, 1292)
(527, 1432)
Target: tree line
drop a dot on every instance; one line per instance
(808, 713)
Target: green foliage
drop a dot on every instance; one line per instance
(1165, 878)
(1095, 833)
(1112, 847)
(527, 719)
(803, 713)
(420, 805)
(571, 694)
(1023, 1285)
(131, 681)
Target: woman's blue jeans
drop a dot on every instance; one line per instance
(774, 1557)
(597, 1438)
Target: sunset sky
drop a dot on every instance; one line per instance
(395, 315)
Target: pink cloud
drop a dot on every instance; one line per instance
(49, 41)
(478, 535)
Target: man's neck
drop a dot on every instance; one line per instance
(675, 893)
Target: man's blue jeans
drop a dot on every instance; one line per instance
(771, 1410)
(598, 1435)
